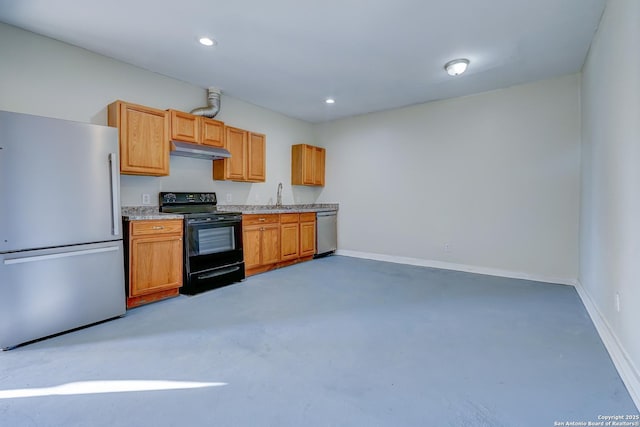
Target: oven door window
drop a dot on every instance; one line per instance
(207, 240)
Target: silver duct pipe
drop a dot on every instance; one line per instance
(213, 104)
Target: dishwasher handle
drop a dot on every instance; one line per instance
(328, 213)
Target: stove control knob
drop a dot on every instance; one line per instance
(203, 197)
(169, 198)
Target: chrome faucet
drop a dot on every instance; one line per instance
(279, 197)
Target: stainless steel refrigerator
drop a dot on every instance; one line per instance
(61, 255)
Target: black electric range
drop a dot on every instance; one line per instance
(213, 254)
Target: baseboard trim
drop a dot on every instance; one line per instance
(629, 374)
(457, 267)
(626, 369)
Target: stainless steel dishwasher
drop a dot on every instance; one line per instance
(326, 232)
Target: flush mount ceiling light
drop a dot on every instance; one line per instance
(207, 41)
(330, 101)
(457, 66)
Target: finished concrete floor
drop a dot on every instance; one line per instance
(333, 342)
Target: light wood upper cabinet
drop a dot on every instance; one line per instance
(184, 127)
(187, 127)
(248, 157)
(236, 140)
(307, 165)
(318, 166)
(212, 132)
(235, 167)
(256, 163)
(143, 137)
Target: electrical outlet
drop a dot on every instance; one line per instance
(146, 199)
(617, 302)
(229, 198)
(447, 247)
(257, 198)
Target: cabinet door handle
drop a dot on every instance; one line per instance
(261, 219)
(157, 227)
(115, 192)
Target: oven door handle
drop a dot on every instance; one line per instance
(218, 272)
(221, 221)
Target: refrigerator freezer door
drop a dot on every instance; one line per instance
(45, 292)
(59, 183)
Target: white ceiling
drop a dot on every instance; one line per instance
(289, 55)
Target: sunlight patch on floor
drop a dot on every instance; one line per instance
(95, 387)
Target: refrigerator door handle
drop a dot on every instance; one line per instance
(59, 255)
(115, 197)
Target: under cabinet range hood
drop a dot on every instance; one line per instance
(187, 149)
(200, 151)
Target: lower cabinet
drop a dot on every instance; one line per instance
(289, 236)
(153, 260)
(261, 242)
(276, 240)
(307, 234)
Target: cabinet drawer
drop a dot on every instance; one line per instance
(254, 219)
(289, 218)
(163, 226)
(307, 216)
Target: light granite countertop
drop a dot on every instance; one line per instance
(272, 209)
(138, 213)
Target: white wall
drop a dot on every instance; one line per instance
(610, 208)
(42, 76)
(494, 176)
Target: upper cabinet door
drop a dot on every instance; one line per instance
(318, 166)
(184, 127)
(256, 164)
(212, 132)
(144, 138)
(307, 165)
(236, 143)
(248, 153)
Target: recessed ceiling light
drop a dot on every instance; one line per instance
(457, 66)
(330, 101)
(207, 41)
